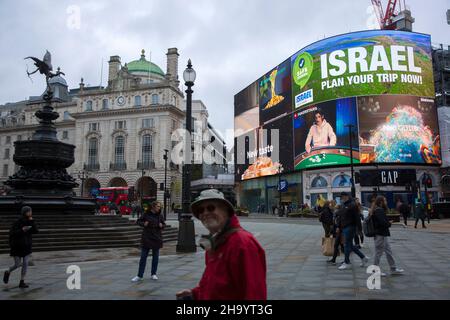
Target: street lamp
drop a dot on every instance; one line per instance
(82, 175)
(350, 135)
(186, 232)
(165, 182)
(141, 191)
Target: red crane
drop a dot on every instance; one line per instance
(385, 18)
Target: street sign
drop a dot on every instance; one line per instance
(283, 185)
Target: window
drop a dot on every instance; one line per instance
(19, 137)
(147, 123)
(119, 155)
(105, 104)
(65, 135)
(5, 170)
(8, 139)
(137, 101)
(89, 105)
(319, 182)
(120, 125)
(94, 126)
(155, 99)
(92, 151)
(66, 115)
(147, 149)
(6, 153)
(341, 181)
(174, 98)
(174, 125)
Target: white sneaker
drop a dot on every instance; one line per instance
(154, 277)
(344, 266)
(397, 271)
(364, 261)
(136, 279)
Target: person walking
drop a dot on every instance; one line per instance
(403, 209)
(350, 223)
(153, 222)
(419, 213)
(381, 224)
(235, 261)
(336, 231)
(326, 217)
(359, 235)
(20, 241)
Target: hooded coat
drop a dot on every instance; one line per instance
(152, 233)
(235, 270)
(21, 242)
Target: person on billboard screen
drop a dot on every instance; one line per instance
(321, 133)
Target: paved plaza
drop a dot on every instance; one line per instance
(296, 268)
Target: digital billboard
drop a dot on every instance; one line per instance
(378, 82)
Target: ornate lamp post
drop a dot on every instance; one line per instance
(186, 233)
(82, 175)
(165, 182)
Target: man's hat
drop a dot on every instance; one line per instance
(211, 194)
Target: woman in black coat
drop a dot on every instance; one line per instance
(153, 222)
(20, 241)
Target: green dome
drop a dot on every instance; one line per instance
(143, 65)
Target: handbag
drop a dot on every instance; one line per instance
(328, 246)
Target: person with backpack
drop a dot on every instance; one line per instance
(20, 241)
(326, 217)
(419, 214)
(381, 224)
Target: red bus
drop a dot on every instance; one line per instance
(116, 199)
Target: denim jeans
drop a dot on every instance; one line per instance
(349, 235)
(143, 261)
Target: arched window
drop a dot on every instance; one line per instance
(89, 105)
(147, 148)
(93, 151)
(341, 181)
(119, 156)
(319, 182)
(137, 101)
(155, 99)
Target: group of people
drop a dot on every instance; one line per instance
(344, 223)
(419, 210)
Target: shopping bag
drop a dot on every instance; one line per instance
(328, 246)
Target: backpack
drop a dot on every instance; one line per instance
(369, 227)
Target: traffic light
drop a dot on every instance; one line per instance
(429, 182)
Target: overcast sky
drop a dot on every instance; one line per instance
(231, 43)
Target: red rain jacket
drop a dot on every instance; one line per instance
(236, 270)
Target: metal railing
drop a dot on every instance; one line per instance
(146, 165)
(118, 166)
(91, 166)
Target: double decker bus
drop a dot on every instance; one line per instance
(116, 199)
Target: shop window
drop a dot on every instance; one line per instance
(342, 181)
(319, 182)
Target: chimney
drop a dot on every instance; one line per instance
(114, 67)
(172, 66)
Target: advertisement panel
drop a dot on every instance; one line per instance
(321, 137)
(398, 129)
(246, 110)
(363, 63)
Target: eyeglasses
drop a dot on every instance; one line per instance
(209, 207)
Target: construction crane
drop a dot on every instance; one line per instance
(396, 16)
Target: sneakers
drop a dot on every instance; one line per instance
(136, 279)
(364, 261)
(397, 271)
(344, 266)
(6, 277)
(23, 285)
(154, 277)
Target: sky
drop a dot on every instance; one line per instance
(231, 43)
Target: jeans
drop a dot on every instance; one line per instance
(337, 244)
(349, 235)
(382, 246)
(18, 263)
(143, 261)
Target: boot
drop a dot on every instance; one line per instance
(22, 284)
(6, 277)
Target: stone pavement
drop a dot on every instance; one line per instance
(296, 267)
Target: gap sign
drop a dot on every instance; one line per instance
(388, 177)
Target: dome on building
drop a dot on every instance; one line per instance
(143, 65)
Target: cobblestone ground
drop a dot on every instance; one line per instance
(296, 267)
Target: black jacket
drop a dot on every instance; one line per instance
(326, 216)
(152, 233)
(404, 209)
(381, 222)
(20, 241)
(350, 215)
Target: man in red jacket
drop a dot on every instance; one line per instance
(235, 261)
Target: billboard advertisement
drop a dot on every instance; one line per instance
(378, 83)
(321, 134)
(363, 63)
(398, 129)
